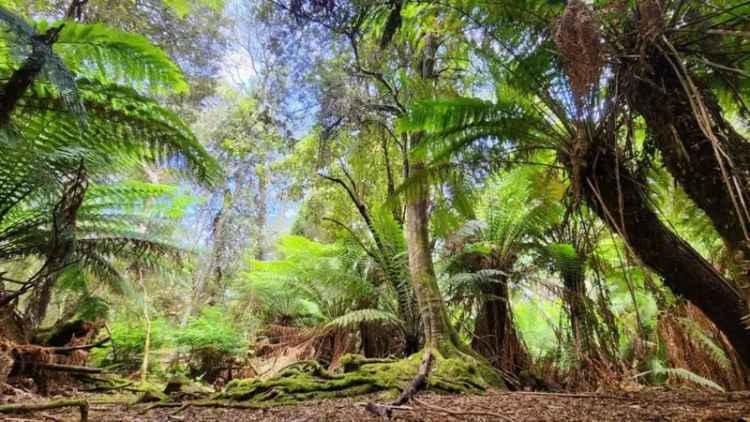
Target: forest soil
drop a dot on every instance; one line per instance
(648, 405)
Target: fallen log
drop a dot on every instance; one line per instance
(70, 368)
(83, 407)
(69, 349)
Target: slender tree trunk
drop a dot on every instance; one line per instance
(614, 193)
(438, 332)
(421, 270)
(147, 327)
(60, 249)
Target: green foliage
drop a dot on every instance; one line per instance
(312, 282)
(103, 53)
(212, 329)
(128, 339)
(681, 374)
(356, 317)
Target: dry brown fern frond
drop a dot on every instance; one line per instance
(651, 21)
(579, 40)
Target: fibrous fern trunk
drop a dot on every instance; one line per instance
(617, 196)
(702, 151)
(495, 335)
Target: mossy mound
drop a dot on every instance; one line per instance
(308, 380)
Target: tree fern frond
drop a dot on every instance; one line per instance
(359, 316)
(684, 375)
(106, 54)
(697, 333)
(121, 123)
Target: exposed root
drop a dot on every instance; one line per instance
(450, 371)
(83, 407)
(419, 382)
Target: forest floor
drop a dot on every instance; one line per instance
(650, 405)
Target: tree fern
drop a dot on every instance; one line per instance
(685, 375)
(697, 333)
(103, 53)
(359, 316)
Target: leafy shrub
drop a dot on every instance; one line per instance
(128, 339)
(214, 342)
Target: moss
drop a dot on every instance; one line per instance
(460, 373)
(149, 392)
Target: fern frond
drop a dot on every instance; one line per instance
(106, 54)
(121, 123)
(359, 316)
(684, 375)
(697, 333)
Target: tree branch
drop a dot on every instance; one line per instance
(24, 76)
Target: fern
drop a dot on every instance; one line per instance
(103, 53)
(122, 123)
(359, 316)
(684, 375)
(698, 334)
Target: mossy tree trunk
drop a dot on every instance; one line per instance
(437, 328)
(438, 332)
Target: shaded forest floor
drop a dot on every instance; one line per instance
(650, 405)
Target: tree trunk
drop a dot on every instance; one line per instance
(618, 198)
(495, 335)
(60, 250)
(421, 268)
(22, 78)
(705, 155)
(578, 312)
(147, 327)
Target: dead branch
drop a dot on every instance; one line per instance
(83, 407)
(69, 349)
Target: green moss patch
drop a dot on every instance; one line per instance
(308, 380)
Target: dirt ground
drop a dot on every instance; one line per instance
(654, 405)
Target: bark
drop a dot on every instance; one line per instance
(421, 269)
(578, 312)
(22, 78)
(619, 199)
(495, 335)
(60, 249)
(438, 332)
(689, 153)
(386, 260)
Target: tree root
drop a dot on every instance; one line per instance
(418, 383)
(83, 407)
